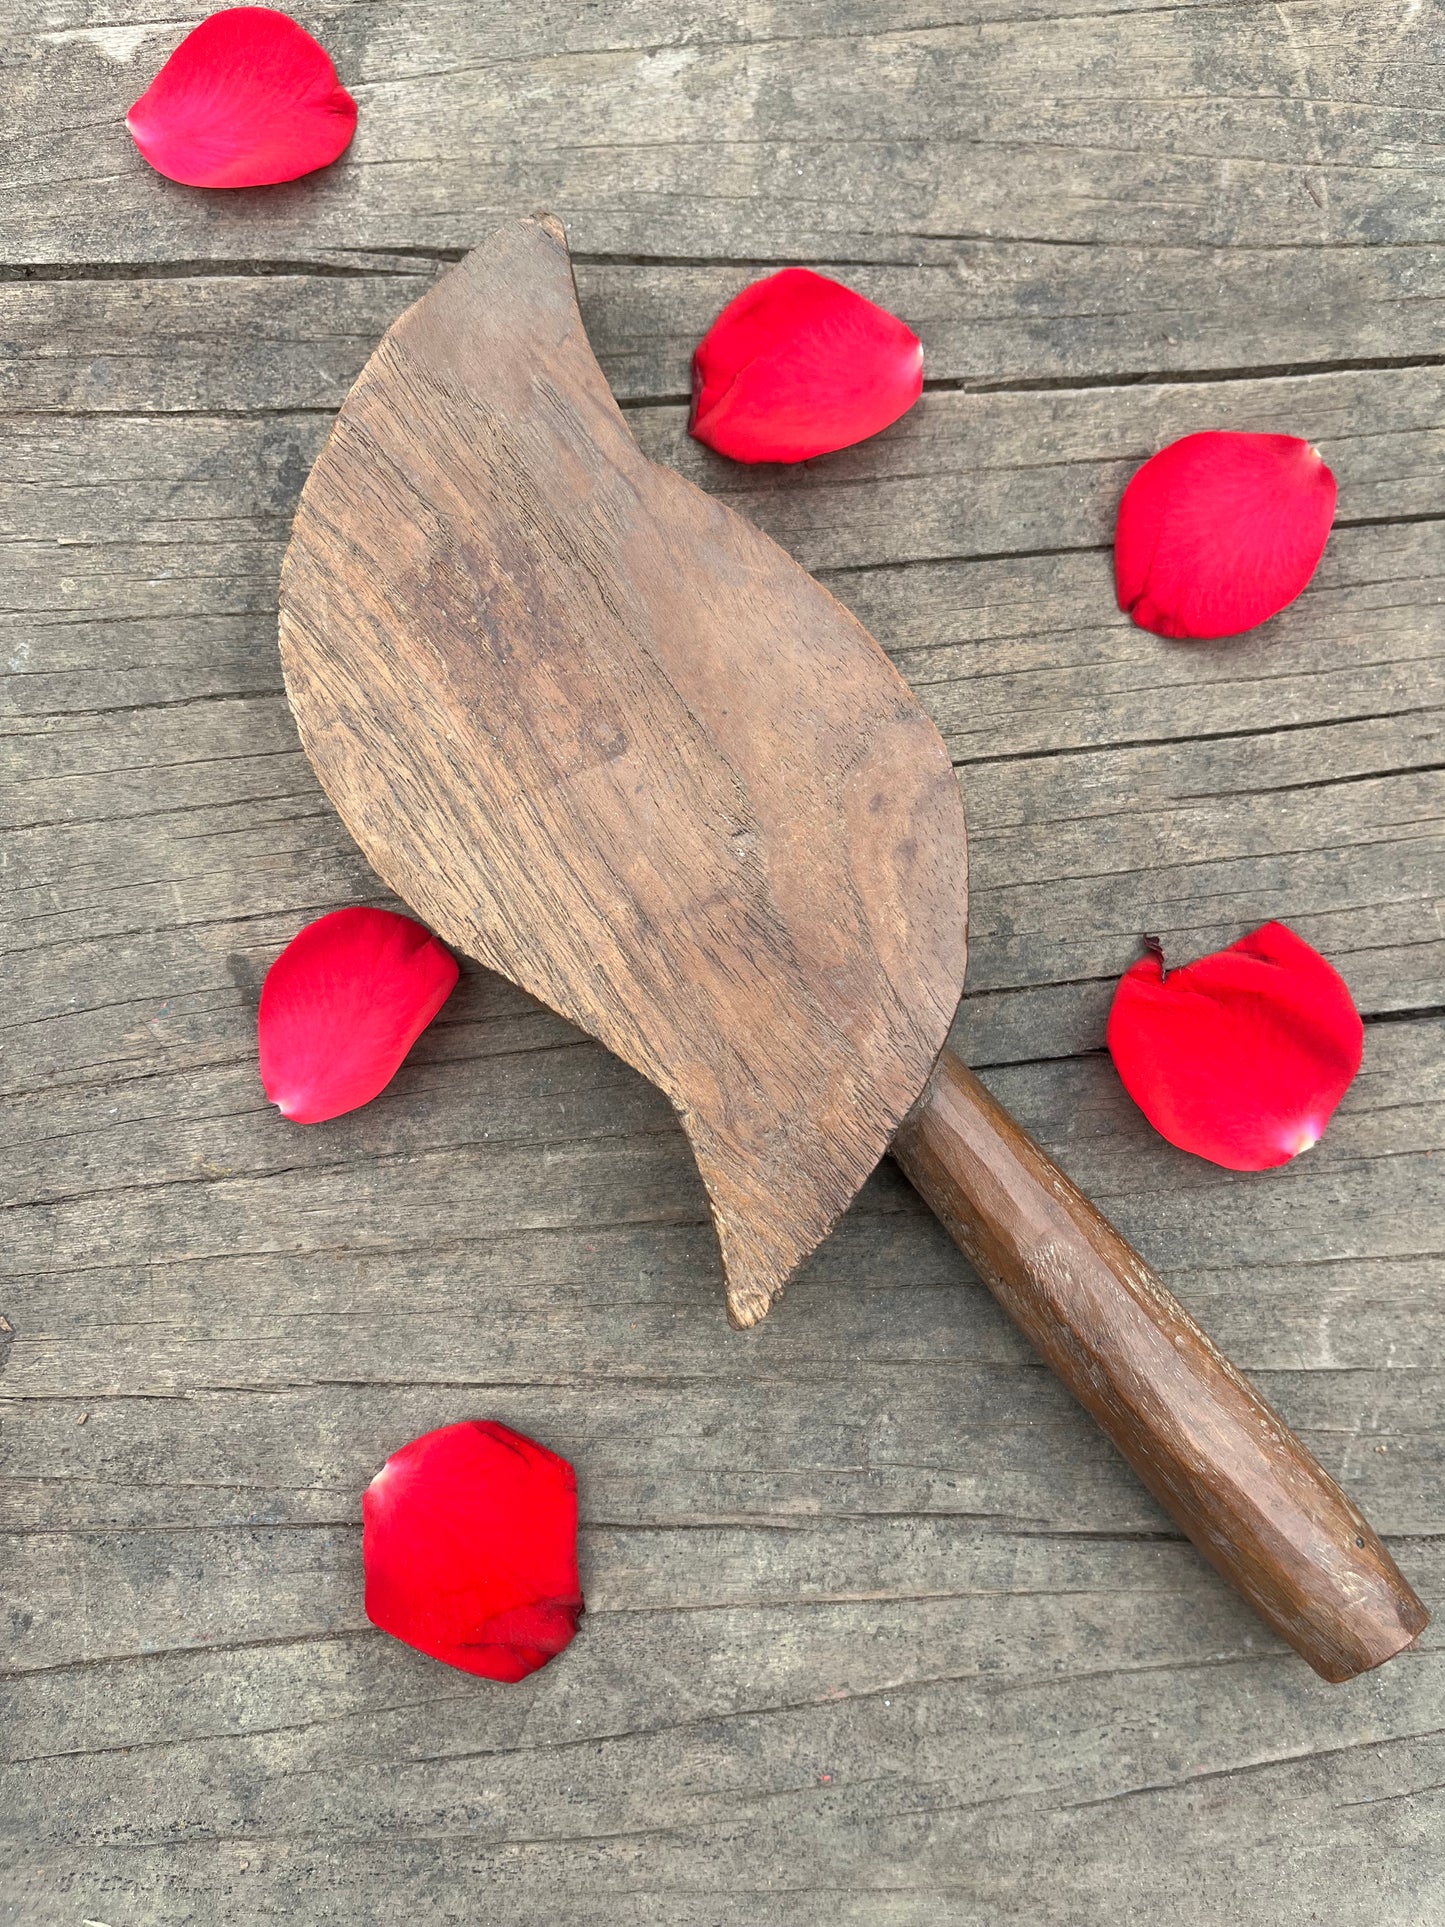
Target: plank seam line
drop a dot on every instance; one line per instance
(1259, 1766)
(1263, 371)
(1280, 789)
(1140, 378)
(1212, 736)
(885, 565)
(393, 1160)
(943, 385)
(1406, 1793)
(223, 267)
(753, 43)
(105, 1081)
(36, 271)
(178, 1652)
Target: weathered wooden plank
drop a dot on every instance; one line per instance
(1156, 126)
(987, 312)
(1371, 1872)
(960, 476)
(148, 898)
(908, 496)
(880, 1386)
(922, 1441)
(846, 1573)
(142, 558)
(1061, 688)
(423, 28)
(1028, 656)
(1080, 1870)
(1083, 1615)
(866, 1787)
(596, 1313)
(1013, 657)
(925, 1438)
(207, 820)
(201, 753)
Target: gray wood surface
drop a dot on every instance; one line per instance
(879, 1630)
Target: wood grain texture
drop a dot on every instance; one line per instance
(771, 132)
(1222, 1463)
(993, 313)
(608, 739)
(883, 1630)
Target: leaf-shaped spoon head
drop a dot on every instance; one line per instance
(605, 736)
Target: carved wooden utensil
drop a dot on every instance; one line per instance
(605, 736)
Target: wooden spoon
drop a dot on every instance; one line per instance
(606, 737)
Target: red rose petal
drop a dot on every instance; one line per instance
(341, 1007)
(798, 365)
(246, 100)
(470, 1549)
(1219, 532)
(1242, 1056)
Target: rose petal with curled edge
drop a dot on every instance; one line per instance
(1219, 532)
(1242, 1056)
(341, 1007)
(246, 100)
(798, 365)
(470, 1549)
